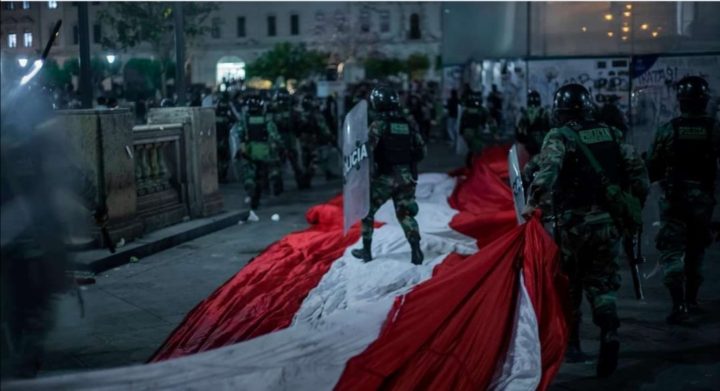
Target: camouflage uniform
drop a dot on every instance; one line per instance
(589, 242)
(260, 144)
(685, 163)
(531, 130)
(282, 117)
(223, 116)
(478, 129)
(312, 132)
(393, 181)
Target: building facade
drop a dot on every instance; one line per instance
(240, 32)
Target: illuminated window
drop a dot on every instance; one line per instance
(27, 39)
(52, 4)
(12, 40)
(26, 5)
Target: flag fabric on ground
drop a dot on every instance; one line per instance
(482, 312)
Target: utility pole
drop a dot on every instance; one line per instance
(85, 83)
(179, 54)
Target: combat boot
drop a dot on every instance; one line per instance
(574, 353)
(417, 255)
(691, 294)
(609, 349)
(679, 313)
(363, 253)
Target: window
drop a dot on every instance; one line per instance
(215, 28)
(241, 26)
(294, 24)
(384, 21)
(12, 40)
(97, 33)
(271, 26)
(52, 4)
(414, 26)
(365, 21)
(76, 35)
(26, 5)
(27, 39)
(9, 5)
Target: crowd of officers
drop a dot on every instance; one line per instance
(271, 131)
(586, 175)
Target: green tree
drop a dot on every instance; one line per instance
(54, 75)
(292, 61)
(417, 64)
(380, 68)
(98, 67)
(135, 23)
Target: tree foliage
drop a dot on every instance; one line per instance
(135, 23)
(293, 61)
(417, 63)
(54, 75)
(380, 68)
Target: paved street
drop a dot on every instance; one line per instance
(133, 308)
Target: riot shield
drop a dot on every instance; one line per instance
(516, 183)
(356, 165)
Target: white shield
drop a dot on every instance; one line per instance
(516, 183)
(356, 165)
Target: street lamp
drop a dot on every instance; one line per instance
(23, 62)
(110, 58)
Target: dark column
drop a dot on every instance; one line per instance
(179, 54)
(86, 87)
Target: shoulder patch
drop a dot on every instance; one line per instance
(256, 120)
(692, 133)
(597, 135)
(399, 128)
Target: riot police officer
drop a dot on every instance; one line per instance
(312, 131)
(684, 159)
(282, 117)
(577, 162)
(259, 146)
(223, 123)
(476, 126)
(396, 147)
(533, 125)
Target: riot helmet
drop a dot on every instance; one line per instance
(473, 100)
(533, 99)
(384, 99)
(282, 98)
(572, 102)
(255, 104)
(693, 94)
(308, 102)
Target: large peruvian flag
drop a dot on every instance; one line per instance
(482, 312)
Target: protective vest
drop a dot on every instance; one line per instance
(258, 147)
(308, 124)
(579, 186)
(396, 144)
(472, 118)
(694, 153)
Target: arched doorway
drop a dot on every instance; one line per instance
(230, 67)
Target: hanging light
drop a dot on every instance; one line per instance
(610, 34)
(644, 26)
(628, 6)
(624, 38)
(626, 29)
(584, 29)
(608, 17)
(654, 34)
(627, 14)
(23, 62)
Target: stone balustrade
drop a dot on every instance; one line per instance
(151, 176)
